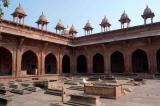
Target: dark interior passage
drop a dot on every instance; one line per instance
(29, 63)
(50, 64)
(117, 62)
(81, 64)
(5, 62)
(158, 61)
(98, 63)
(66, 64)
(139, 62)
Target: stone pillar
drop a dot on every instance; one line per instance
(60, 63)
(18, 62)
(39, 68)
(89, 64)
(42, 63)
(105, 64)
(151, 54)
(73, 64)
(128, 62)
(14, 63)
(108, 65)
(152, 61)
(145, 21)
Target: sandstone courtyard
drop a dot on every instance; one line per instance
(79, 53)
(136, 93)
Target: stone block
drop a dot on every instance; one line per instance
(138, 79)
(24, 73)
(5, 91)
(112, 91)
(35, 79)
(78, 88)
(5, 101)
(20, 91)
(71, 82)
(55, 84)
(41, 84)
(57, 92)
(33, 89)
(25, 84)
(94, 78)
(84, 100)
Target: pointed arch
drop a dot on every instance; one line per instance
(5, 62)
(158, 60)
(98, 63)
(81, 64)
(50, 64)
(139, 61)
(29, 62)
(66, 64)
(117, 62)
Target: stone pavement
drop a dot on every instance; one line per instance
(143, 95)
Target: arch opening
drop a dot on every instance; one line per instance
(29, 63)
(139, 62)
(50, 64)
(117, 62)
(81, 64)
(5, 62)
(98, 63)
(158, 61)
(66, 64)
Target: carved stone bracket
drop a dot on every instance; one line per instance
(21, 41)
(45, 45)
(104, 47)
(149, 41)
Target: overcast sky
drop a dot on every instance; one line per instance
(77, 12)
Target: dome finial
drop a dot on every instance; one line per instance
(19, 13)
(124, 19)
(73, 31)
(88, 28)
(59, 27)
(105, 24)
(146, 5)
(42, 21)
(19, 4)
(147, 14)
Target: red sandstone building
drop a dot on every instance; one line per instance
(26, 51)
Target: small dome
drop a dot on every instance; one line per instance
(60, 26)
(19, 10)
(124, 16)
(72, 30)
(88, 26)
(147, 11)
(105, 22)
(42, 19)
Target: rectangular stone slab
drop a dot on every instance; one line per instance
(5, 101)
(56, 92)
(78, 88)
(108, 91)
(83, 100)
(21, 92)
